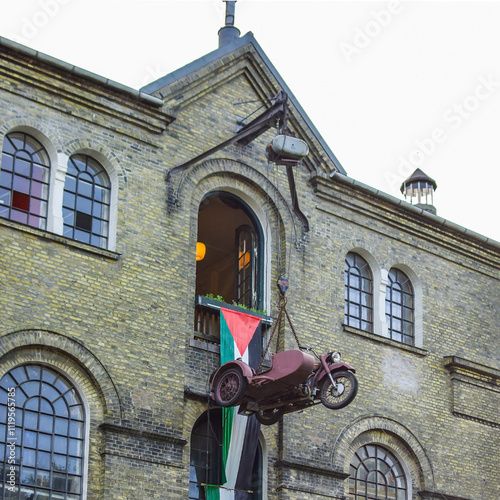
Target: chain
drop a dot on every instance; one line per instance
(277, 325)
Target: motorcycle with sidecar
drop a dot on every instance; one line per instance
(295, 380)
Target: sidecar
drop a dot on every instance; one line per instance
(295, 381)
(236, 383)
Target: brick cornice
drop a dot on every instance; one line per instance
(289, 464)
(81, 97)
(132, 431)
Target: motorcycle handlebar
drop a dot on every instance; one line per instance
(307, 348)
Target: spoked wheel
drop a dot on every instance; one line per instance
(229, 387)
(340, 396)
(270, 417)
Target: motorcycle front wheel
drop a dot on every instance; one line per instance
(229, 387)
(270, 417)
(340, 396)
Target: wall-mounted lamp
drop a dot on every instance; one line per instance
(201, 250)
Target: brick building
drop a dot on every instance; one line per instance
(107, 336)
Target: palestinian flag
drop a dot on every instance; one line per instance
(240, 337)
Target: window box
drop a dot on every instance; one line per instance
(207, 317)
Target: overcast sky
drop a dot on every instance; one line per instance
(391, 86)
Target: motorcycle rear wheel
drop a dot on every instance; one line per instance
(230, 387)
(336, 398)
(270, 417)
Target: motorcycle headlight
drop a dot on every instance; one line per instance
(336, 356)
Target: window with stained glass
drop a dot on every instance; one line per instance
(399, 308)
(358, 304)
(24, 180)
(42, 437)
(86, 201)
(376, 474)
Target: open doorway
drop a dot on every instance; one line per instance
(232, 238)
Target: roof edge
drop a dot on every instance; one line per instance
(412, 208)
(52, 61)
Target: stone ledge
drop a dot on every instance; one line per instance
(476, 390)
(439, 496)
(419, 351)
(57, 238)
(288, 464)
(152, 436)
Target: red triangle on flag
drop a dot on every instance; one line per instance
(242, 327)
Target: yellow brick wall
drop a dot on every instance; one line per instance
(120, 322)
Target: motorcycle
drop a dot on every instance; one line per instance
(296, 380)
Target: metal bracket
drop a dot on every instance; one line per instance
(274, 116)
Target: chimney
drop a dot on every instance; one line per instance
(228, 33)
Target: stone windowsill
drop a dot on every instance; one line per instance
(419, 351)
(57, 238)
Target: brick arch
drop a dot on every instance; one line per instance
(387, 432)
(223, 173)
(70, 357)
(100, 152)
(37, 130)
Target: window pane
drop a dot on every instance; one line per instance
(43, 478)
(69, 200)
(31, 420)
(43, 460)
(22, 166)
(28, 476)
(84, 188)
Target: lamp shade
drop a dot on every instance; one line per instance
(201, 250)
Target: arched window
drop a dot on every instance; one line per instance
(206, 458)
(376, 474)
(232, 265)
(358, 305)
(399, 308)
(41, 435)
(24, 180)
(86, 201)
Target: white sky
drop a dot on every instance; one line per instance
(391, 86)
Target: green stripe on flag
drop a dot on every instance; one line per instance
(226, 342)
(226, 354)
(227, 428)
(212, 492)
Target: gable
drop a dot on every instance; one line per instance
(223, 69)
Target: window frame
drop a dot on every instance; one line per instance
(45, 164)
(396, 461)
(365, 274)
(89, 163)
(397, 281)
(84, 437)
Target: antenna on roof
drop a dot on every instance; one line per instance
(228, 32)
